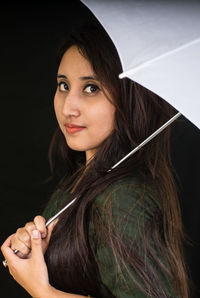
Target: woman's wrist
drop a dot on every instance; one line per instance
(47, 292)
(51, 292)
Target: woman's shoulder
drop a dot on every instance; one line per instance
(55, 203)
(126, 194)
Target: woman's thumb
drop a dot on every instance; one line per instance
(36, 244)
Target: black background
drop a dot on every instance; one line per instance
(29, 38)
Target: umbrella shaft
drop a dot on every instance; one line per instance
(124, 158)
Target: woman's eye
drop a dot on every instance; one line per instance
(63, 86)
(91, 88)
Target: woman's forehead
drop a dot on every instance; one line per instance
(74, 62)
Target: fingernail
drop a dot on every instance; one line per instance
(43, 235)
(35, 234)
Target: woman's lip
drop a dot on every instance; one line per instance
(71, 125)
(73, 128)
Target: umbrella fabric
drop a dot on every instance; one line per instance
(159, 46)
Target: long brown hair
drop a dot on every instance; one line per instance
(70, 259)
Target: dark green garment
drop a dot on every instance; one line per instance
(131, 210)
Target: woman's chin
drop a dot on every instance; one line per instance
(76, 147)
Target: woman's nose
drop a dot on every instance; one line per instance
(71, 106)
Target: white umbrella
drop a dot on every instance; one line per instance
(159, 46)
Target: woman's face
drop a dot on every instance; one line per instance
(84, 114)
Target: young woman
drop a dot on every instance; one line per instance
(122, 237)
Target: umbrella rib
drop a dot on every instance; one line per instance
(149, 62)
(124, 158)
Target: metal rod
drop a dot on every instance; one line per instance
(124, 158)
(119, 162)
(61, 211)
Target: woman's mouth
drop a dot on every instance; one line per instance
(73, 128)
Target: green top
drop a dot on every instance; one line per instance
(131, 211)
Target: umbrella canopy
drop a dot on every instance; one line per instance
(159, 46)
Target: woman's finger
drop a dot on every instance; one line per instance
(29, 227)
(40, 223)
(17, 244)
(23, 236)
(7, 250)
(36, 244)
(21, 241)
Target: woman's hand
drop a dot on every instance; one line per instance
(21, 240)
(30, 273)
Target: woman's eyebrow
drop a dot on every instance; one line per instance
(84, 78)
(88, 78)
(61, 76)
